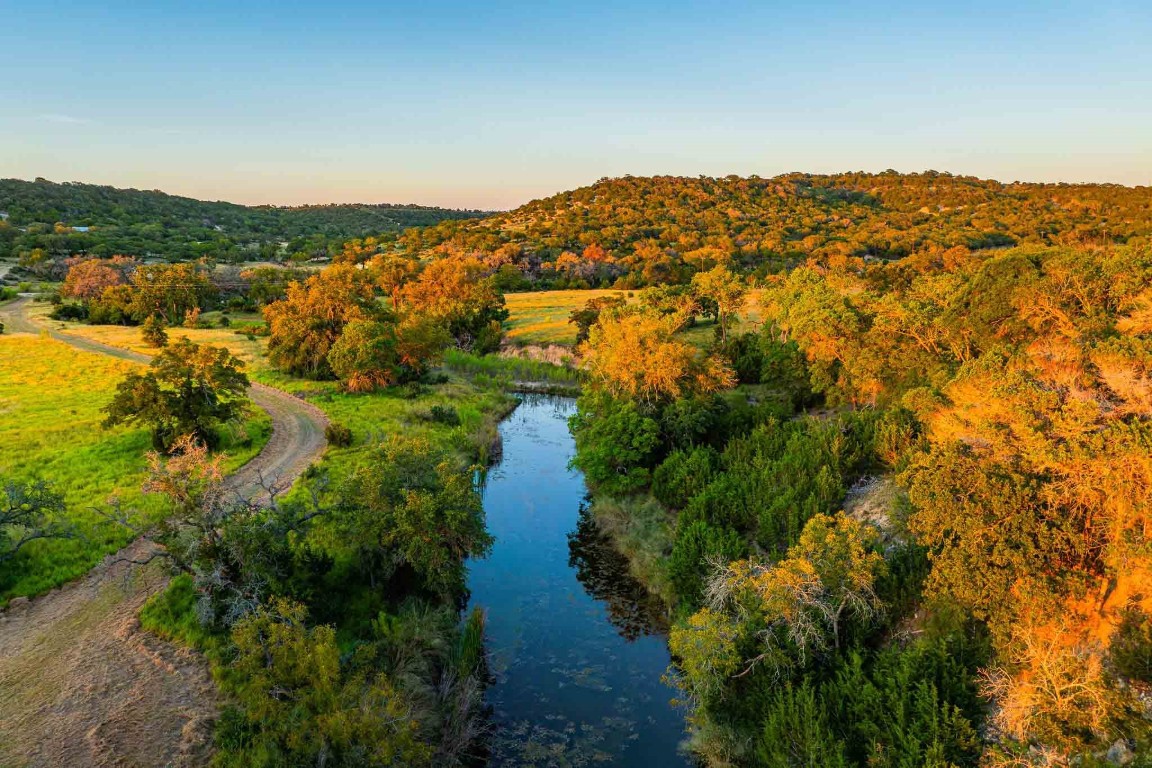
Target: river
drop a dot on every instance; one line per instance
(577, 647)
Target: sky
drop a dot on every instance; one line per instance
(490, 105)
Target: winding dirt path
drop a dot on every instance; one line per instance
(80, 683)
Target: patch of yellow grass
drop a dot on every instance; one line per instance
(541, 317)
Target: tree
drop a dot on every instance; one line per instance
(615, 444)
(636, 356)
(460, 294)
(187, 390)
(393, 272)
(409, 505)
(306, 703)
(305, 325)
(728, 290)
(588, 315)
(372, 354)
(87, 279)
(793, 608)
(169, 290)
(29, 511)
(152, 332)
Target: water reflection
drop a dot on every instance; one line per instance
(604, 573)
(576, 645)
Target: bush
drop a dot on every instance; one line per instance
(615, 443)
(683, 475)
(444, 414)
(338, 435)
(412, 390)
(697, 547)
(69, 312)
(153, 333)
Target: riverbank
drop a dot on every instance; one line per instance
(577, 647)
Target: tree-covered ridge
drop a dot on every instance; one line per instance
(660, 229)
(144, 223)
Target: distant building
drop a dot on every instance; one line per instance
(3, 216)
(80, 229)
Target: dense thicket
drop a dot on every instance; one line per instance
(42, 215)
(995, 608)
(646, 230)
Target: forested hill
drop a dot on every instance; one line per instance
(659, 228)
(47, 215)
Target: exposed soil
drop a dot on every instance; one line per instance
(80, 683)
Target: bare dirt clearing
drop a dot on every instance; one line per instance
(80, 683)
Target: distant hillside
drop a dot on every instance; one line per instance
(105, 220)
(661, 228)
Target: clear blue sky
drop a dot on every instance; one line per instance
(492, 104)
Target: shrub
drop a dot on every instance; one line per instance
(697, 547)
(152, 331)
(444, 414)
(683, 475)
(616, 444)
(69, 312)
(338, 435)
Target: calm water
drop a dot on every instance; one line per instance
(577, 647)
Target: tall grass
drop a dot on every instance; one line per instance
(510, 372)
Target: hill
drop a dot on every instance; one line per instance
(69, 218)
(635, 230)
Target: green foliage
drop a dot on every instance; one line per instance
(128, 221)
(188, 390)
(153, 333)
(1131, 650)
(615, 444)
(29, 512)
(444, 414)
(698, 549)
(898, 708)
(409, 505)
(683, 475)
(305, 702)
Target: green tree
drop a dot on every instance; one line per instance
(615, 444)
(305, 703)
(29, 511)
(187, 390)
(153, 333)
(728, 290)
(409, 505)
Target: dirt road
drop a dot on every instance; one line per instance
(80, 683)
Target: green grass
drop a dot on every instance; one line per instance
(508, 372)
(50, 400)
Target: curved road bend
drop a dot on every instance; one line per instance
(80, 683)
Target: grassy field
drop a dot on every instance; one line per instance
(370, 416)
(50, 400)
(541, 317)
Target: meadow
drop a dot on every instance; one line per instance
(371, 417)
(541, 317)
(50, 416)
